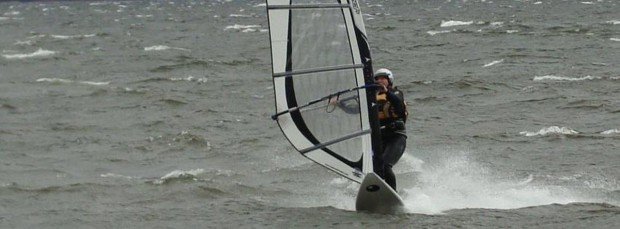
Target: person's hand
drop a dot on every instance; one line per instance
(333, 100)
(383, 88)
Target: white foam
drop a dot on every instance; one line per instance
(614, 22)
(456, 182)
(98, 3)
(587, 3)
(58, 80)
(26, 42)
(112, 175)
(261, 5)
(163, 47)
(552, 130)
(38, 53)
(612, 131)
(12, 13)
(94, 83)
(433, 32)
(190, 79)
(239, 15)
(455, 23)
(614, 39)
(4, 18)
(180, 174)
(243, 28)
(493, 63)
(563, 78)
(65, 37)
(54, 80)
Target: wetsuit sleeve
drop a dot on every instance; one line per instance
(396, 98)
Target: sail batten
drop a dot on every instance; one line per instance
(328, 143)
(320, 65)
(309, 6)
(315, 70)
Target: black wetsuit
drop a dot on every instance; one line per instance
(392, 117)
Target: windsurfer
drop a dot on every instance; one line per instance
(392, 117)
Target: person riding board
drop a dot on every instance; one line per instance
(392, 117)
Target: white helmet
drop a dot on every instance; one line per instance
(385, 72)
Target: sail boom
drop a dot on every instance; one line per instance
(308, 6)
(317, 70)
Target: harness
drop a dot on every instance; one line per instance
(386, 110)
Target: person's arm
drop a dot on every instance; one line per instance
(349, 105)
(397, 101)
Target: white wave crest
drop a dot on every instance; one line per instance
(455, 23)
(190, 79)
(612, 131)
(65, 37)
(239, 15)
(26, 42)
(12, 13)
(552, 130)
(98, 3)
(38, 53)
(614, 39)
(113, 175)
(244, 28)
(493, 63)
(163, 47)
(434, 32)
(180, 174)
(614, 22)
(563, 78)
(58, 80)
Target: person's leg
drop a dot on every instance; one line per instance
(389, 176)
(394, 150)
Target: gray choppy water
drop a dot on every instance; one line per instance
(156, 114)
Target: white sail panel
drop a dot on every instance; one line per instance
(319, 82)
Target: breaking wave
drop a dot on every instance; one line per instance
(552, 130)
(38, 53)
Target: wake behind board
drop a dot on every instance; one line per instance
(376, 196)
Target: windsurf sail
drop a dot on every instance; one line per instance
(321, 73)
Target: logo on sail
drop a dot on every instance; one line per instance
(356, 6)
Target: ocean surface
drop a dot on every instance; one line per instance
(156, 114)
